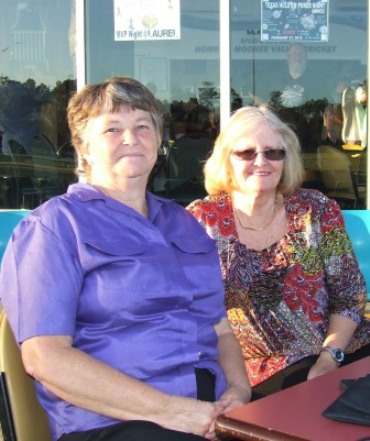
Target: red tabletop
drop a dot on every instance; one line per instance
(294, 414)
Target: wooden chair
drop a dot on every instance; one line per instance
(339, 182)
(21, 416)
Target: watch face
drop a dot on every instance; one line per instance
(339, 355)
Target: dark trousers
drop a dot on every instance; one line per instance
(132, 431)
(297, 373)
(146, 430)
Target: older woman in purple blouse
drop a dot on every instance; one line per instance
(116, 296)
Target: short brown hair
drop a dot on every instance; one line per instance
(108, 97)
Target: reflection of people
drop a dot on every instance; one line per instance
(196, 117)
(294, 293)
(332, 125)
(116, 295)
(333, 115)
(214, 122)
(354, 107)
(189, 118)
(292, 82)
(294, 91)
(298, 97)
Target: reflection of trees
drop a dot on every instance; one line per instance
(306, 120)
(27, 109)
(20, 105)
(236, 100)
(61, 95)
(192, 117)
(201, 113)
(209, 96)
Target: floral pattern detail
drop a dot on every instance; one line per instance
(279, 299)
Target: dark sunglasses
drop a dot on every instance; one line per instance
(269, 154)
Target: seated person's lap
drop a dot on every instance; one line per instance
(132, 431)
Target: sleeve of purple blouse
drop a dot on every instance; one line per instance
(39, 281)
(346, 284)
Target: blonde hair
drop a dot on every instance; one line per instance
(108, 97)
(244, 122)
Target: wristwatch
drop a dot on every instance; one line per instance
(336, 353)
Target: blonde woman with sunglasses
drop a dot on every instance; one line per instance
(294, 292)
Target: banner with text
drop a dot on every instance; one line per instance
(136, 20)
(294, 21)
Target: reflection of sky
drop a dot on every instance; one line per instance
(21, 17)
(55, 15)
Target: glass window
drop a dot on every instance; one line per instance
(184, 74)
(37, 75)
(319, 87)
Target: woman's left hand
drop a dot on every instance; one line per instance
(235, 396)
(324, 364)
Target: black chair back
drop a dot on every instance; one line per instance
(184, 168)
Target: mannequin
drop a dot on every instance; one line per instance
(354, 107)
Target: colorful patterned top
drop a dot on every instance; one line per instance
(279, 299)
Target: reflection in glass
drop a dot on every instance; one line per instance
(183, 74)
(36, 79)
(311, 85)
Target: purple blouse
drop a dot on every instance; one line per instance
(142, 295)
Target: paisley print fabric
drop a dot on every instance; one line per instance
(279, 299)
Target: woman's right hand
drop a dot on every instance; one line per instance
(193, 416)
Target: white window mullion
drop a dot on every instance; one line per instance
(80, 46)
(224, 61)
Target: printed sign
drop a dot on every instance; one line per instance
(136, 20)
(294, 21)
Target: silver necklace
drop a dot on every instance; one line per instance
(266, 225)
